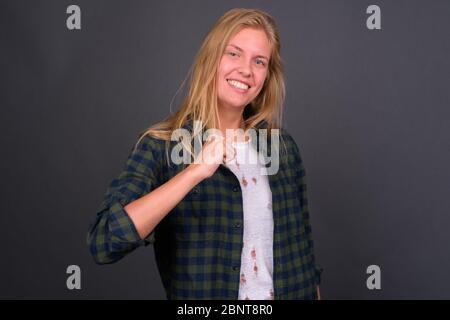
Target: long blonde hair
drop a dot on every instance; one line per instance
(201, 102)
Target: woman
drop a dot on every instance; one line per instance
(222, 228)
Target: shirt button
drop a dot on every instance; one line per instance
(237, 225)
(235, 189)
(235, 268)
(195, 191)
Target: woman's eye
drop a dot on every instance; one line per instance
(232, 54)
(260, 62)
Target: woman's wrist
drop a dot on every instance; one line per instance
(194, 171)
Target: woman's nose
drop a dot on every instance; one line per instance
(245, 69)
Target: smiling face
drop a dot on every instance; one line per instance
(243, 68)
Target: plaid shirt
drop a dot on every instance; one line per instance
(198, 244)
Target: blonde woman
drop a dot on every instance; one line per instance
(222, 227)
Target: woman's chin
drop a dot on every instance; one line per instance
(235, 104)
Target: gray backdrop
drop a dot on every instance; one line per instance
(368, 108)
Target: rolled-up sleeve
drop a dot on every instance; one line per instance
(112, 234)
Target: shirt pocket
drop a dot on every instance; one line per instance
(195, 217)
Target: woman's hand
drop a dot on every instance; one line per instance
(215, 152)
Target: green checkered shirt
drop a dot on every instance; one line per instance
(198, 244)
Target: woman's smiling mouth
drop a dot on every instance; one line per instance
(238, 85)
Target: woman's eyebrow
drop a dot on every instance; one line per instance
(240, 49)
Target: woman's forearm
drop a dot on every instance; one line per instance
(147, 211)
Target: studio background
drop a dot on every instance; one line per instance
(369, 110)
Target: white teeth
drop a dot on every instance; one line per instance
(238, 84)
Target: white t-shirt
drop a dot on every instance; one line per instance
(256, 277)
